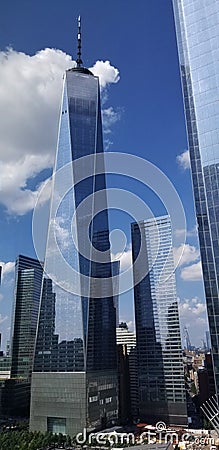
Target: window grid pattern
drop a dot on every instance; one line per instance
(160, 365)
(28, 283)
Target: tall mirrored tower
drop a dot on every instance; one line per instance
(197, 29)
(159, 351)
(74, 384)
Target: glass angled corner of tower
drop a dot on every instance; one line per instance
(197, 32)
(74, 383)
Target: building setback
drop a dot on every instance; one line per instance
(159, 353)
(197, 30)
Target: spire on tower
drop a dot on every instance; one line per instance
(79, 60)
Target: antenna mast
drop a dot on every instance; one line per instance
(79, 60)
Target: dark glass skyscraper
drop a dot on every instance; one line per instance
(197, 29)
(74, 382)
(159, 351)
(28, 282)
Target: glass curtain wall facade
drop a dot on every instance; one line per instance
(28, 283)
(197, 30)
(75, 373)
(159, 352)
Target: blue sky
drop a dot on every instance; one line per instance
(143, 115)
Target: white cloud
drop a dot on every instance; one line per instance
(193, 232)
(62, 234)
(44, 191)
(125, 259)
(192, 272)
(193, 316)
(30, 93)
(179, 232)
(7, 267)
(110, 116)
(192, 307)
(185, 254)
(107, 74)
(131, 325)
(189, 233)
(202, 321)
(184, 160)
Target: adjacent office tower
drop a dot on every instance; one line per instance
(28, 282)
(15, 389)
(74, 384)
(159, 353)
(197, 29)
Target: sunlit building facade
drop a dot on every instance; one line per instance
(197, 30)
(159, 351)
(74, 384)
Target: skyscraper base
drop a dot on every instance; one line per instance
(70, 402)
